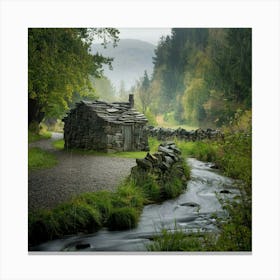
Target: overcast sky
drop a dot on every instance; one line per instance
(151, 35)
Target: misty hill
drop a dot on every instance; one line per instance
(131, 58)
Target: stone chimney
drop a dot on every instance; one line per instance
(131, 100)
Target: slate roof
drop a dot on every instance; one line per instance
(116, 112)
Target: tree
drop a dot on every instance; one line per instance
(202, 74)
(144, 94)
(59, 65)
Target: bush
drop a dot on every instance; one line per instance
(123, 218)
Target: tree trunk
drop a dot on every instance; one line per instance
(35, 115)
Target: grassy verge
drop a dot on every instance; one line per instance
(118, 210)
(32, 137)
(177, 240)
(39, 159)
(86, 213)
(58, 144)
(153, 144)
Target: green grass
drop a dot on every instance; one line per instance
(202, 150)
(39, 159)
(32, 137)
(58, 144)
(158, 187)
(153, 144)
(123, 218)
(177, 240)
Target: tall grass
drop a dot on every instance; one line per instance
(87, 213)
(177, 240)
(157, 187)
(39, 159)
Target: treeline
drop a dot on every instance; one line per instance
(201, 76)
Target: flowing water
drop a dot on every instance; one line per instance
(192, 211)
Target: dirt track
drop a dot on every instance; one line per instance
(72, 175)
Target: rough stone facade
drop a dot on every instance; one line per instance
(107, 127)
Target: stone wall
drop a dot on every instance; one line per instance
(167, 167)
(164, 134)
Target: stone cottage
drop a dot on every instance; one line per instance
(106, 127)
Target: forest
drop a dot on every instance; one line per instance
(202, 78)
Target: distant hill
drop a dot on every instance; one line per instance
(131, 58)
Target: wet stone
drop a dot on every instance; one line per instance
(190, 204)
(82, 246)
(225, 191)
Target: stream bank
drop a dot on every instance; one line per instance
(195, 210)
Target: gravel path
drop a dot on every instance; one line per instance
(72, 175)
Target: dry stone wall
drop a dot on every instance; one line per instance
(164, 134)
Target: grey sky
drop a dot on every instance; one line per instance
(151, 35)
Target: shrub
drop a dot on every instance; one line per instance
(123, 218)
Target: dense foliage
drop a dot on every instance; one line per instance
(59, 67)
(202, 76)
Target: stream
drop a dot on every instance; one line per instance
(192, 211)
